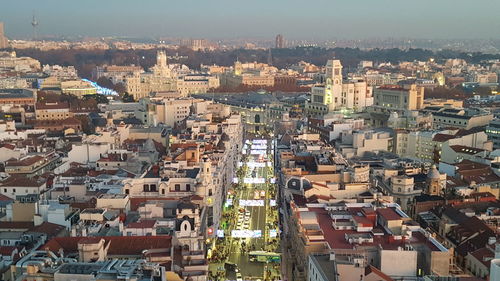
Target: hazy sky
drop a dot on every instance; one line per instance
(308, 19)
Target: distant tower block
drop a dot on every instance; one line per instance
(34, 24)
(4, 43)
(280, 41)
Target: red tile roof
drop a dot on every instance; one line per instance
(466, 149)
(484, 256)
(442, 137)
(337, 238)
(5, 198)
(371, 269)
(7, 250)
(51, 229)
(9, 146)
(22, 181)
(51, 105)
(142, 224)
(25, 162)
(136, 202)
(16, 225)
(119, 245)
(388, 213)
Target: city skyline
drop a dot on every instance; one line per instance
(295, 20)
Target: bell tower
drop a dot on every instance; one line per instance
(433, 182)
(161, 59)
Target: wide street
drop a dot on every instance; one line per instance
(251, 238)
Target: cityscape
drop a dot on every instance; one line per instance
(259, 141)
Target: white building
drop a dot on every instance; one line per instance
(337, 94)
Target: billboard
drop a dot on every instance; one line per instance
(246, 233)
(252, 203)
(258, 151)
(252, 180)
(259, 147)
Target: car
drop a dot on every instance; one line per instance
(239, 224)
(256, 195)
(246, 225)
(262, 194)
(239, 277)
(247, 213)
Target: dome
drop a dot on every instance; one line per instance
(433, 173)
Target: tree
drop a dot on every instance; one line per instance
(98, 98)
(450, 193)
(105, 82)
(445, 93)
(482, 91)
(127, 98)
(87, 127)
(119, 88)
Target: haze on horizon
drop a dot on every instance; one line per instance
(317, 19)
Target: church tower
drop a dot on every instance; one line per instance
(334, 72)
(333, 85)
(161, 59)
(433, 182)
(238, 68)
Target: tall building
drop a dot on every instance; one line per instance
(4, 43)
(280, 41)
(337, 94)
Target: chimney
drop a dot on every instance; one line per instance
(492, 240)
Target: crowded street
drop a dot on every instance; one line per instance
(247, 246)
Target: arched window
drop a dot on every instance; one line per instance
(257, 118)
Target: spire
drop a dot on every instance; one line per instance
(270, 57)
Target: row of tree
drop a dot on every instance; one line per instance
(86, 60)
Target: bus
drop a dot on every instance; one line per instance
(263, 256)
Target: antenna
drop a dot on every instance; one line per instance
(34, 24)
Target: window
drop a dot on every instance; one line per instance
(145, 188)
(152, 187)
(188, 187)
(127, 191)
(13, 190)
(210, 192)
(177, 187)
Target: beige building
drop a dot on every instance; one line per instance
(196, 84)
(9, 61)
(427, 145)
(78, 88)
(357, 143)
(462, 118)
(52, 111)
(390, 98)
(443, 102)
(173, 111)
(337, 94)
(138, 83)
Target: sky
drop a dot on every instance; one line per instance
(295, 19)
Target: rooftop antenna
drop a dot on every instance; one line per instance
(34, 24)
